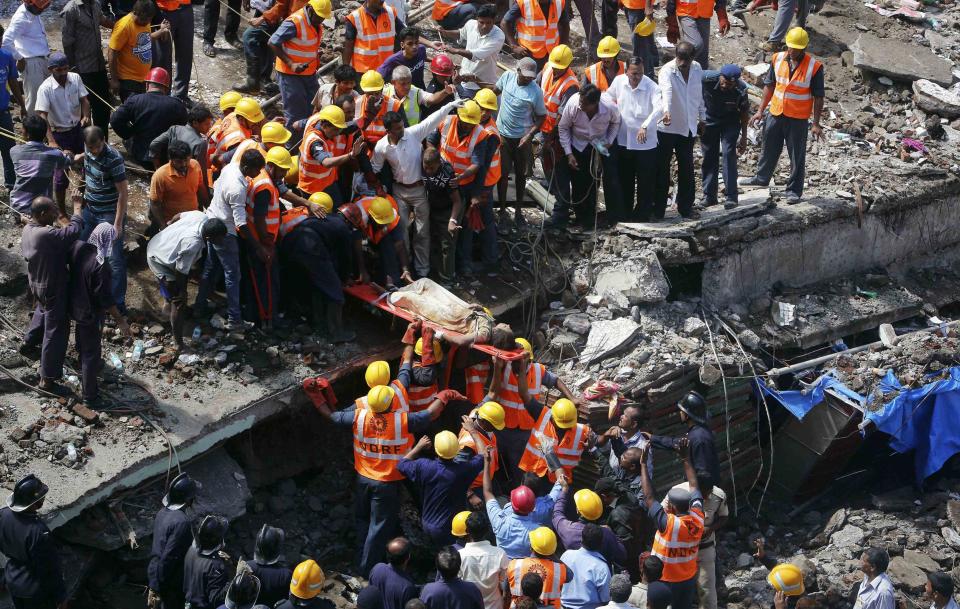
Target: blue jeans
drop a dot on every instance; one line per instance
(257, 52)
(644, 47)
(117, 259)
(488, 235)
(225, 257)
(377, 510)
(297, 93)
(717, 141)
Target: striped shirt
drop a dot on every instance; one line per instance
(101, 174)
(35, 164)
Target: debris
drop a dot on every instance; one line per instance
(906, 575)
(931, 97)
(900, 60)
(849, 536)
(608, 337)
(639, 279)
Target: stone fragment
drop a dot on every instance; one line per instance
(849, 536)
(85, 413)
(578, 323)
(906, 575)
(900, 60)
(931, 97)
(744, 560)
(754, 73)
(921, 561)
(607, 337)
(749, 339)
(62, 433)
(155, 329)
(709, 374)
(694, 326)
(951, 537)
(639, 279)
(897, 500)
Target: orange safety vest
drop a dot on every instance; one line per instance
(421, 396)
(458, 151)
(793, 96)
(375, 131)
(465, 440)
(290, 218)
(248, 144)
(493, 171)
(442, 7)
(220, 128)
(365, 223)
(379, 442)
(678, 544)
(568, 450)
(304, 47)
(553, 92)
(699, 9)
(401, 401)
(314, 177)
(553, 574)
(538, 33)
(597, 76)
(171, 5)
(375, 37)
(232, 138)
(256, 185)
(515, 414)
(636, 5)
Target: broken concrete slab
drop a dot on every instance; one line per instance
(921, 561)
(931, 97)
(640, 279)
(906, 575)
(755, 73)
(900, 60)
(951, 537)
(850, 536)
(607, 337)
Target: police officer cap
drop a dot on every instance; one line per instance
(26, 493)
(731, 71)
(679, 498)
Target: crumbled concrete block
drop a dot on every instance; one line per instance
(639, 279)
(607, 337)
(754, 73)
(749, 339)
(900, 60)
(906, 575)
(85, 413)
(931, 97)
(694, 326)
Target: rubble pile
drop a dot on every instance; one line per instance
(60, 435)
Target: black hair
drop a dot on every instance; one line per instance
(35, 127)
(637, 416)
(590, 93)
(685, 50)
(941, 583)
(532, 585)
(478, 526)
(409, 32)
(605, 486)
(448, 562)
(879, 558)
(652, 567)
(344, 99)
(391, 118)
(92, 135)
(635, 60)
(253, 159)
(488, 11)
(198, 114)
(345, 73)
(144, 8)
(592, 537)
(620, 588)
(704, 480)
(213, 228)
(178, 150)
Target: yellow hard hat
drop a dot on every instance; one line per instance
(334, 115)
(279, 156)
(645, 27)
(380, 397)
(486, 98)
(382, 211)
(293, 174)
(588, 504)
(608, 47)
(797, 38)
(459, 526)
(307, 580)
(437, 349)
(274, 133)
(561, 57)
(564, 413)
(543, 541)
(371, 81)
(446, 445)
(325, 201)
(229, 100)
(322, 8)
(785, 577)
(249, 109)
(492, 413)
(470, 112)
(378, 373)
(525, 344)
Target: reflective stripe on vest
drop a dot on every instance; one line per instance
(375, 37)
(476, 381)
(442, 7)
(421, 397)
(290, 218)
(247, 144)
(258, 184)
(536, 32)
(493, 171)
(379, 442)
(410, 103)
(222, 127)
(516, 415)
(793, 96)
(455, 151)
(465, 440)
(314, 177)
(374, 131)
(699, 9)
(678, 544)
(303, 47)
(367, 225)
(568, 450)
(552, 573)
(553, 94)
(229, 139)
(597, 76)
(401, 400)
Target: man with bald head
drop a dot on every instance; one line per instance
(392, 577)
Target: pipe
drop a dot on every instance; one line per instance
(826, 358)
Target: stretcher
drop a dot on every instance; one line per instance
(376, 297)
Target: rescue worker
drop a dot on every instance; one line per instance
(689, 20)
(441, 483)
(376, 219)
(269, 567)
(220, 127)
(32, 574)
(458, 527)
(679, 529)
(145, 116)
(378, 373)
(373, 106)
(543, 543)
(296, 43)
(426, 370)
(381, 438)
(245, 123)
(487, 100)
(411, 97)
(305, 587)
(532, 28)
(243, 593)
(206, 568)
(370, 35)
(513, 522)
(559, 83)
(793, 91)
(476, 434)
(443, 72)
(703, 449)
(326, 146)
(727, 106)
(46, 247)
(272, 134)
(589, 510)
(609, 67)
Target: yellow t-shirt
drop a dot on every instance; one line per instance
(131, 43)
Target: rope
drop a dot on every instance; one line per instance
(726, 415)
(238, 13)
(97, 95)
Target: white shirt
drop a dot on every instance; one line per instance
(714, 505)
(61, 103)
(25, 36)
(177, 248)
(639, 108)
(638, 595)
(875, 594)
(230, 198)
(683, 99)
(406, 156)
(486, 566)
(325, 94)
(401, 7)
(484, 49)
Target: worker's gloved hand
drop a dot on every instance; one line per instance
(410, 336)
(153, 600)
(429, 357)
(722, 20)
(448, 395)
(673, 29)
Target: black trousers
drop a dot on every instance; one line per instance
(98, 83)
(638, 176)
(682, 145)
(717, 141)
(211, 18)
(33, 603)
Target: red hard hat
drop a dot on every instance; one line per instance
(159, 76)
(442, 65)
(523, 500)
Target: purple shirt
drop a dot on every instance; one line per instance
(416, 65)
(34, 164)
(577, 129)
(453, 594)
(570, 533)
(396, 587)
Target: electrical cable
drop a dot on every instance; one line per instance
(726, 413)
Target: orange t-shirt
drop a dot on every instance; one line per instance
(174, 193)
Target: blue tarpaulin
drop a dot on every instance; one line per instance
(926, 419)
